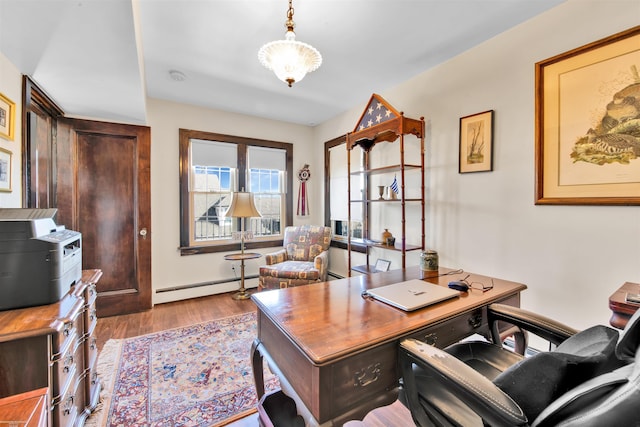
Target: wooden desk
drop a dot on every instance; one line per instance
(338, 351)
(622, 310)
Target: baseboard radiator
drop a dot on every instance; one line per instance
(200, 285)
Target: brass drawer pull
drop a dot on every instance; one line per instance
(475, 321)
(431, 338)
(367, 375)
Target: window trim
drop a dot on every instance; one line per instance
(185, 135)
(335, 242)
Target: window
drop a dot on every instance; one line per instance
(212, 167)
(336, 182)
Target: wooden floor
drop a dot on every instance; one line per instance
(198, 310)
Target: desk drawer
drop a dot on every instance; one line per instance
(360, 378)
(454, 329)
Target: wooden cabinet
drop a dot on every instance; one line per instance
(54, 346)
(380, 122)
(28, 409)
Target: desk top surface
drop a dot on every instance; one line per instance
(331, 319)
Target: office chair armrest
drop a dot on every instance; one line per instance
(541, 326)
(472, 388)
(276, 257)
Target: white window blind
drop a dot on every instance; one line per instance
(267, 158)
(339, 182)
(211, 153)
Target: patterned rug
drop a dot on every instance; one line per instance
(198, 375)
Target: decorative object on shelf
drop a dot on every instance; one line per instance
(290, 59)
(476, 143)
(5, 170)
(588, 122)
(393, 189)
(429, 260)
(381, 192)
(382, 265)
(386, 236)
(7, 117)
(303, 205)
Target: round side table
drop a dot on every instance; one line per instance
(242, 292)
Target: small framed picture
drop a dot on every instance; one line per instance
(5, 170)
(382, 265)
(476, 143)
(7, 117)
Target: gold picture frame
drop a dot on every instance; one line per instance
(587, 122)
(5, 170)
(7, 118)
(476, 143)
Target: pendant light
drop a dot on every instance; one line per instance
(289, 59)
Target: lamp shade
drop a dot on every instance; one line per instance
(242, 206)
(290, 59)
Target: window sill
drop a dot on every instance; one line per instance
(342, 244)
(229, 247)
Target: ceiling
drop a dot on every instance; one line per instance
(102, 58)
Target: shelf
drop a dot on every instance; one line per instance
(384, 200)
(385, 169)
(380, 122)
(397, 247)
(365, 269)
(378, 244)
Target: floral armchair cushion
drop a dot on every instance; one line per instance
(303, 259)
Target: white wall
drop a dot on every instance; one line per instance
(571, 257)
(11, 87)
(169, 269)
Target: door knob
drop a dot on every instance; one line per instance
(143, 233)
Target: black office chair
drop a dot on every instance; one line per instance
(590, 348)
(547, 389)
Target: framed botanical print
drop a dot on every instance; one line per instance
(588, 124)
(5, 170)
(7, 117)
(476, 143)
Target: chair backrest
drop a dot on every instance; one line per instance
(609, 399)
(305, 242)
(629, 341)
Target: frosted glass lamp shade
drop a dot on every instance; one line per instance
(290, 59)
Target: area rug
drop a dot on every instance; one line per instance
(198, 375)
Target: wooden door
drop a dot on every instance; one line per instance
(112, 208)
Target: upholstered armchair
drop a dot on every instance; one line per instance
(304, 258)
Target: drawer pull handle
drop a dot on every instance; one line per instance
(68, 405)
(431, 338)
(475, 321)
(367, 375)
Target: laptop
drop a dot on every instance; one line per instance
(412, 294)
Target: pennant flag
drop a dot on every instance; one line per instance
(394, 185)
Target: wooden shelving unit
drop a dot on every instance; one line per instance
(390, 126)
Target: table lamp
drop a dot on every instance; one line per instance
(242, 207)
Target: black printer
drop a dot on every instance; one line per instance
(39, 260)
